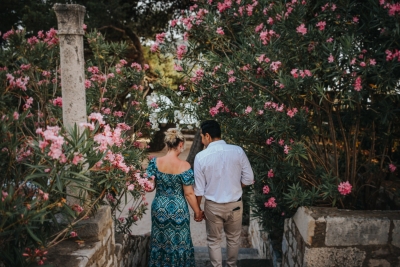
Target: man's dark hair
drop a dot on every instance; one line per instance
(212, 128)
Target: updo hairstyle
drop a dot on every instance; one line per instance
(173, 137)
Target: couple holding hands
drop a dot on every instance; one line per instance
(220, 172)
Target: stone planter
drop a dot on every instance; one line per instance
(333, 237)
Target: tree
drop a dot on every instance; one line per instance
(117, 19)
(308, 88)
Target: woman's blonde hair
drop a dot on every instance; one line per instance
(173, 137)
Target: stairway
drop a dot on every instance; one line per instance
(248, 257)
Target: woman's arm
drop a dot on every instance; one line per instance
(191, 199)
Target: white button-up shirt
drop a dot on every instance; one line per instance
(219, 171)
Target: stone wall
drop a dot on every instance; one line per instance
(331, 237)
(266, 247)
(101, 248)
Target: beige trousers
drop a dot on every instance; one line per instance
(222, 216)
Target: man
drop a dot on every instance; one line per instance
(220, 172)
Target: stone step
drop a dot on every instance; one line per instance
(248, 257)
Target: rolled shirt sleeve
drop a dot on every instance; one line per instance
(199, 179)
(247, 173)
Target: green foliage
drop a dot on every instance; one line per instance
(308, 88)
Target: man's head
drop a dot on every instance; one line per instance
(210, 131)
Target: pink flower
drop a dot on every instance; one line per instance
(392, 167)
(321, 25)
(173, 22)
(301, 29)
(331, 58)
(15, 115)
(363, 64)
(355, 19)
(57, 101)
(292, 112)
(271, 173)
(248, 110)
(88, 84)
(372, 62)
(154, 47)
(259, 27)
(344, 188)
(45, 196)
(84, 27)
(294, 73)
(131, 187)
(286, 149)
(77, 158)
(357, 84)
(220, 31)
(269, 141)
(329, 40)
(265, 189)
(180, 51)
(214, 111)
(270, 203)
(160, 37)
(73, 234)
(275, 65)
(178, 67)
(281, 142)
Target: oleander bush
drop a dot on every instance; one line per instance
(310, 89)
(100, 160)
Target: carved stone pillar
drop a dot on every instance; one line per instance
(70, 32)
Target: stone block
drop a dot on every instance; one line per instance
(353, 231)
(378, 263)
(332, 257)
(396, 233)
(93, 228)
(305, 224)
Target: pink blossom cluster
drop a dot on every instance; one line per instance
(220, 31)
(270, 203)
(291, 112)
(20, 82)
(273, 105)
(51, 137)
(302, 73)
(327, 5)
(321, 25)
(392, 167)
(37, 254)
(180, 51)
(4, 195)
(117, 160)
(57, 101)
(357, 84)
(220, 107)
(393, 9)
(146, 184)
(77, 208)
(301, 29)
(28, 103)
(265, 36)
(275, 65)
(266, 189)
(43, 195)
(222, 6)
(198, 75)
(344, 188)
(271, 173)
(391, 55)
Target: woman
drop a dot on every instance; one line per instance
(171, 243)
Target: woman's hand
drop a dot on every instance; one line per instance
(199, 216)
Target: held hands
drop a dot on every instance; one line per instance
(198, 217)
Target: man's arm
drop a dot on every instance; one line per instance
(247, 172)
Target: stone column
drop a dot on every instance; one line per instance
(70, 32)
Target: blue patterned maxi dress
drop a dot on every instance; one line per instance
(171, 243)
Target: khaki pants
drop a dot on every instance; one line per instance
(222, 216)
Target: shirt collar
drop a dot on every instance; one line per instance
(221, 142)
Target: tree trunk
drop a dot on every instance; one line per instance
(197, 146)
